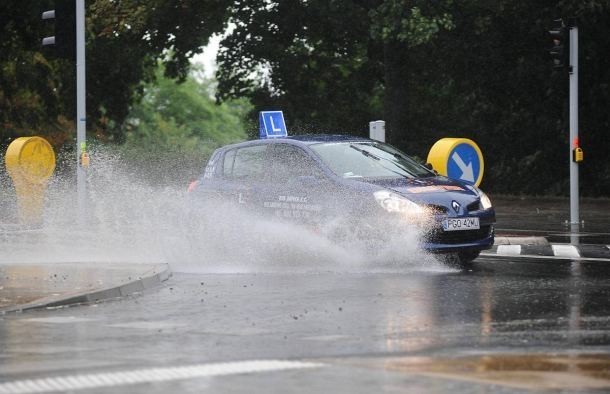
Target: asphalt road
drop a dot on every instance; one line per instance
(549, 217)
(507, 325)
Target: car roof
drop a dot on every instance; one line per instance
(307, 139)
(316, 138)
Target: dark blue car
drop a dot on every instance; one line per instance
(362, 186)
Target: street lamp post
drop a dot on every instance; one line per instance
(575, 149)
(82, 158)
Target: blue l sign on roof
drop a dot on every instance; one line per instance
(464, 163)
(272, 124)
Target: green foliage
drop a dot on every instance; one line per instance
(124, 41)
(477, 68)
(126, 38)
(405, 21)
(184, 116)
(474, 68)
(28, 96)
(500, 90)
(177, 126)
(311, 59)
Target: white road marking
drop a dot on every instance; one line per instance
(509, 249)
(533, 256)
(565, 251)
(149, 325)
(113, 379)
(59, 319)
(330, 338)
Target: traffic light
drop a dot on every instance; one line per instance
(561, 44)
(64, 37)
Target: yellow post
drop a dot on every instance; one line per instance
(30, 162)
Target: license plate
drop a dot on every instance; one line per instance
(461, 224)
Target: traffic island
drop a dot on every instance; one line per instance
(564, 251)
(26, 286)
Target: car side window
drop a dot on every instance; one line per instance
(287, 163)
(245, 163)
(227, 163)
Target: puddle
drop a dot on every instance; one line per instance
(524, 371)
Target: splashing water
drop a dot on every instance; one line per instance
(131, 219)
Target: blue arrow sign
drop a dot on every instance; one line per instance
(464, 163)
(272, 124)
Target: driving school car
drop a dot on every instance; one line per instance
(351, 184)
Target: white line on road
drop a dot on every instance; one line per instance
(509, 249)
(538, 257)
(113, 379)
(565, 251)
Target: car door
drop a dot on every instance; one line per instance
(294, 184)
(242, 174)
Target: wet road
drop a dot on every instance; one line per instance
(507, 325)
(548, 217)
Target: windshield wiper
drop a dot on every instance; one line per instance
(374, 157)
(365, 152)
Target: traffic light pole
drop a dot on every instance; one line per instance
(81, 112)
(574, 141)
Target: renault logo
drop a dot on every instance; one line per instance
(456, 206)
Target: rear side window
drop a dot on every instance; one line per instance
(227, 166)
(245, 163)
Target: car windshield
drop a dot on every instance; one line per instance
(363, 159)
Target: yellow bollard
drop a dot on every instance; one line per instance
(30, 162)
(458, 158)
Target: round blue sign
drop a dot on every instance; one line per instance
(464, 163)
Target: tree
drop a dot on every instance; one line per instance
(402, 28)
(189, 113)
(128, 37)
(177, 126)
(28, 88)
(312, 59)
(490, 78)
(124, 41)
(477, 69)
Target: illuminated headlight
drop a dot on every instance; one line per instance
(392, 202)
(485, 201)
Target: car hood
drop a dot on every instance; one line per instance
(439, 191)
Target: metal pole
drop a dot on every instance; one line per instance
(81, 112)
(574, 142)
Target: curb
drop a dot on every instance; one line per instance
(158, 274)
(552, 250)
(507, 240)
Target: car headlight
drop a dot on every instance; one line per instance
(392, 202)
(485, 201)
